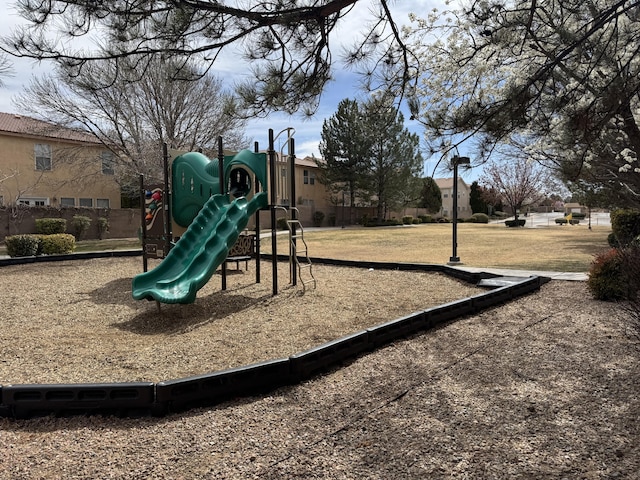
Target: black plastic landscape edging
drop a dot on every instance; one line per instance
(146, 398)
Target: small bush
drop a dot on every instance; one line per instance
(22, 245)
(374, 222)
(416, 221)
(407, 220)
(607, 280)
(515, 223)
(57, 244)
(467, 220)
(50, 226)
(561, 221)
(318, 217)
(103, 227)
(281, 224)
(426, 218)
(80, 224)
(579, 215)
(480, 217)
(625, 225)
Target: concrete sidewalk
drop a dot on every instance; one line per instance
(573, 276)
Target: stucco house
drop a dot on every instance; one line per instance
(446, 189)
(42, 164)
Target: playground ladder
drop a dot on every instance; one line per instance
(297, 254)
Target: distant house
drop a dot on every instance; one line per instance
(574, 208)
(43, 164)
(446, 189)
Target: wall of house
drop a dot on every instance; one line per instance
(76, 173)
(464, 207)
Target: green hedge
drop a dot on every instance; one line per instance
(56, 244)
(80, 224)
(608, 279)
(22, 245)
(281, 224)
(103, 227)
(480, 217)
(564, 221)
(625, 224)
(515, 223)
(50, 226)
(32, 245)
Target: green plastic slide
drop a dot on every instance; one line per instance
(199, 252)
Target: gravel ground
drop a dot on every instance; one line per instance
(544, 387)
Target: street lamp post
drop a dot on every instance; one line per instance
(454, 260)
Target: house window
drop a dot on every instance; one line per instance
(67, 202)
(1, 201)
(309, 177)
(102, 202)
(107, 162)
(33, 201)
(86, 202)
(445, 195)
(43, 156)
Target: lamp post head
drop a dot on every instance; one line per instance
(461, 160)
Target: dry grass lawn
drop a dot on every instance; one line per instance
(562, 249)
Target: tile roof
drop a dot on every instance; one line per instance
(12, 123)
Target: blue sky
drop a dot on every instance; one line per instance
(307, 131)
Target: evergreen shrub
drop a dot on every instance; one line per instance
(80, 224)
(515, 223)
(56, 244)
(480, 217)
(281, 224)
(318, 217)
(50, 226)
(607, 277)
(22, 245)
(625, 225)
(103, 227)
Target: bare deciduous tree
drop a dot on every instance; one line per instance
(138, 112)
(516, 182)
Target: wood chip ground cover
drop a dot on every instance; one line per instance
(545, 387)
(76, 322)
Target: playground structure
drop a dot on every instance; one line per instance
(214, 201)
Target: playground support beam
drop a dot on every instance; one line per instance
(168, 233)
(272, 186)
(256, 149)
(292, 166)
(223, 187)
(143, 226)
